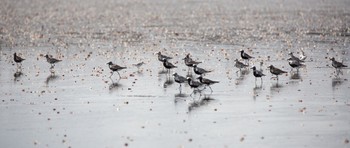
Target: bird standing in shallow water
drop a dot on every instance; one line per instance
(207, 82)
(337, 65)
(179, 79)
(168, 65)
(257, 73)
(193, 84)
(245, 56)
(200, 71)
(52, 60)
(276, 71)
(240, 65)
(115, 67)
(18, 60)
(295, 64)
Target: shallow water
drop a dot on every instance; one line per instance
(80, 106)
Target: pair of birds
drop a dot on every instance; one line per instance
(49, 59)
(194, 84)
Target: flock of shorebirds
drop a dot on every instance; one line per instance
(294, 62)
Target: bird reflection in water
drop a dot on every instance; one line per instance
(256, 91)
(168, 82)
(275, 88)
(201, 102)
(51, 78)
(241, 75)
(337, 82)
(295, 76)
(17, 75)
(114, 85)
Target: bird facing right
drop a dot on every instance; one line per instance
(52, 60)
(276, 71)
(17, 59)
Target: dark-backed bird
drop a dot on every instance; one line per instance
(200, 71)
(168, 65)
(245, 56)
(257, 73)
(295, 63)
(179, 79)
(193, 84)
(295, 58)
(337, 65)
(276, 71)
(207, 82)
(240, 65)
(18, 59)
(114, 67)
(52, 60)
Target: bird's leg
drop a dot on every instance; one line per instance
(119, 75)
(210, 89)
(111, 74)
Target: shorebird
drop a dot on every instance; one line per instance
(207, 82)
(162, 58)
(190, 62)
(138, 65)
(115, 67)
(276, 71)
(245, 56)
(18, 59)
(295, 58)
(193, 84)
(302, 55)
(337, 65)
(52, 60)
(179, 79)
(240, 65)
(257, 73)
(295, 64)
(200, 71)
(168, 65)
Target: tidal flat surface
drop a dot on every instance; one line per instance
(80, 106)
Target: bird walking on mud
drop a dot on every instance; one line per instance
(52, 60)
(257, 73)
(276, 71)
(207, 82)
(245, 56)
(114, 67)
(18, 60)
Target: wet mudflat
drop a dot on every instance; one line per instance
(77, 104)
